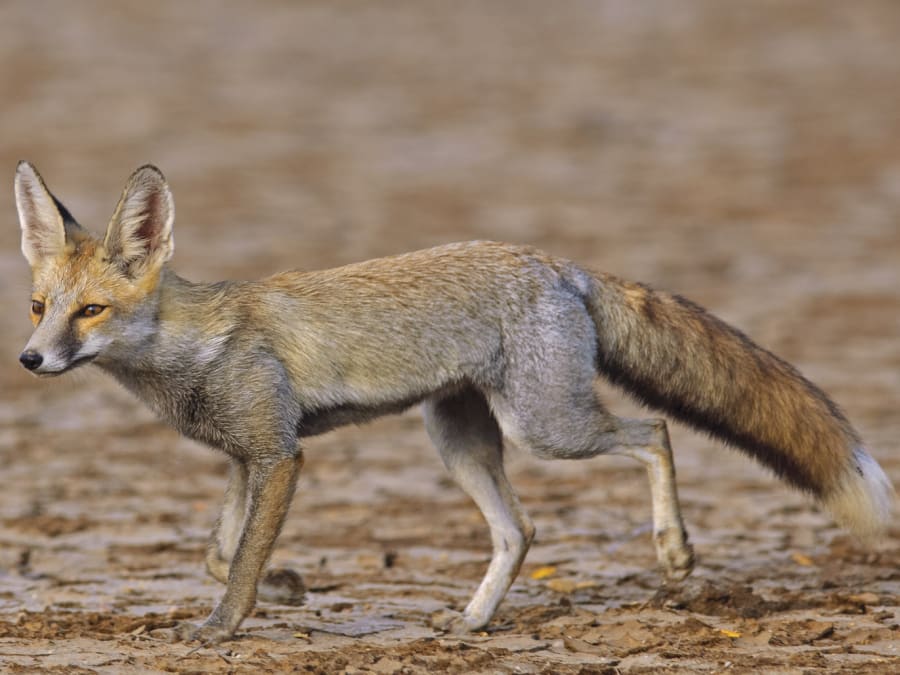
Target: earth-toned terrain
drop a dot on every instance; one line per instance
(746, 155)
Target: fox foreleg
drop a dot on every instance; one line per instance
(264, 487)
(282, 586)
(227, 533)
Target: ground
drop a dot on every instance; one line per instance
(744, 155)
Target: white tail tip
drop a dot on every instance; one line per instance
(864, 502)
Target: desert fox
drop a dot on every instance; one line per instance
(496, 341)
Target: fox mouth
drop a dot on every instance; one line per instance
(71, 366)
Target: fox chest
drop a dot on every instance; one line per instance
(193, 413)
(190, 408)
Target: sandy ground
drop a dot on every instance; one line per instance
(744, 154)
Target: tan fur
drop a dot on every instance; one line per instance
(500, 343)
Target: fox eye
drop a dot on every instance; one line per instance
(37, 307)
(91, 310)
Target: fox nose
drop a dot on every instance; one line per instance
(31, 360)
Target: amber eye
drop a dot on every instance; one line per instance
(91, 310)
(37, 307)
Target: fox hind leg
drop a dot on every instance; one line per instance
(647, 441)
(470, 444)
(583, 428)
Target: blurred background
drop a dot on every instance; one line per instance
(746, 155)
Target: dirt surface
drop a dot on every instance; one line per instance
(744, 154)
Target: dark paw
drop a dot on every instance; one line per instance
(283, 586)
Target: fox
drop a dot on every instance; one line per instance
(499, 344)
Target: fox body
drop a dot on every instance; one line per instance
(496, 341)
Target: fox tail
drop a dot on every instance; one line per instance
(673, 355)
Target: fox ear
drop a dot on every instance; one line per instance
(139, 235)
(41, 216)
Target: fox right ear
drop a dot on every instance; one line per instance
(139, 235)
(42, 223)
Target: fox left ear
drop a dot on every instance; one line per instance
(139, 235)
(40, 216)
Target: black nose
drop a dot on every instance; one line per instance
(31, 360)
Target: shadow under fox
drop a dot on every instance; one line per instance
(497, 342)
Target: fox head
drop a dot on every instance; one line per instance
(92, 299)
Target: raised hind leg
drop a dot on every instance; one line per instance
(470, 444)
(648, 443)
(583, 429)
(547, 404)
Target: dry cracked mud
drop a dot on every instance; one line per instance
(744, 155)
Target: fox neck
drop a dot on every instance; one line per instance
(181, 328)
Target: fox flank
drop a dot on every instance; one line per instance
(498, 343)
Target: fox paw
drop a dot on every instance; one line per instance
(206, 634)
(675, 554)
(455, 623)
(283, 586)
(681, 564)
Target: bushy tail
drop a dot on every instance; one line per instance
(673, 355)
